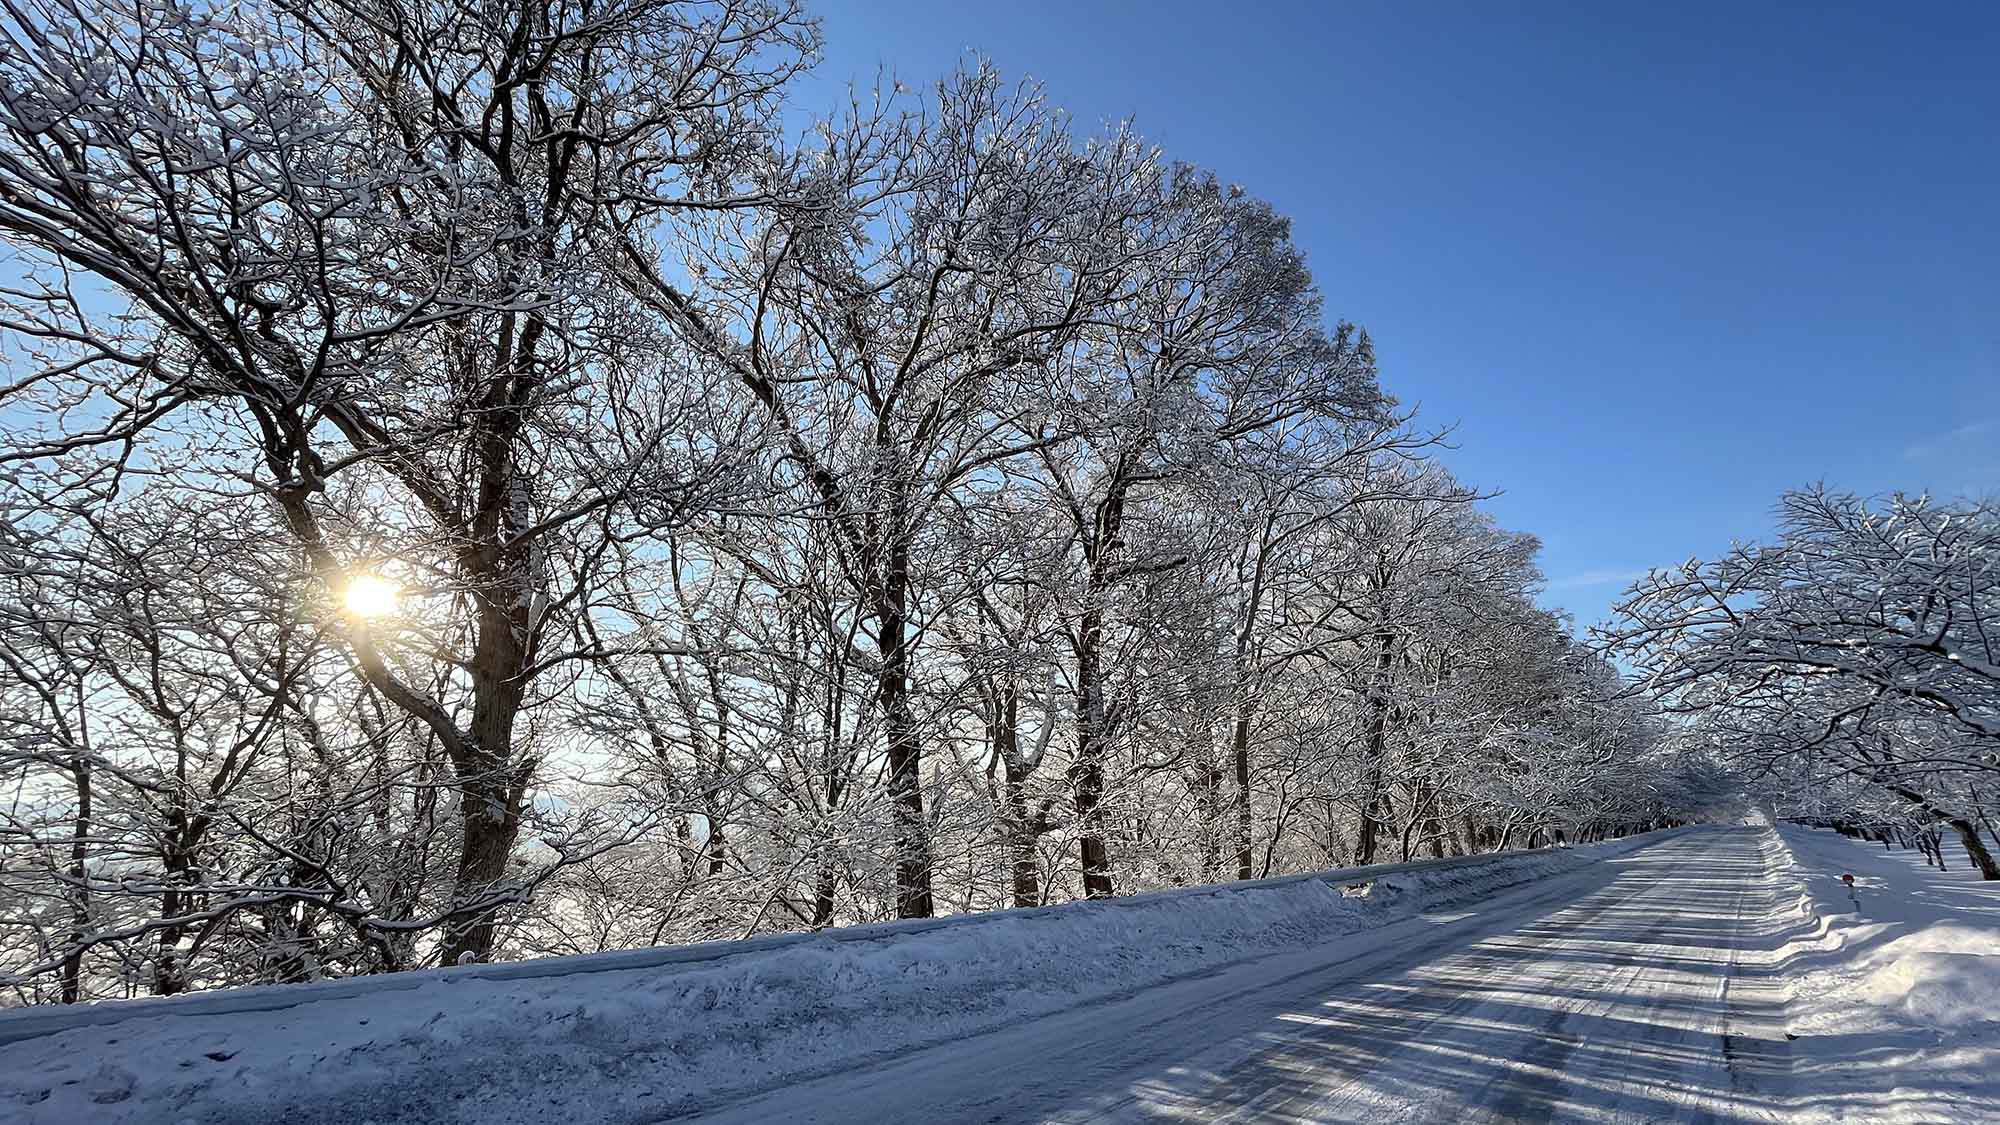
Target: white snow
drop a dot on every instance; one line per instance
(1650, 986)
(1894, 993)
(1633, 990)
(1942, 976)
(636, 1044)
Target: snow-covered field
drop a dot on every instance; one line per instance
(1893, 996)
(603, 1043)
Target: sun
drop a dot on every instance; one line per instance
(370, 596)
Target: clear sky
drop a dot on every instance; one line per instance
(1658, 262)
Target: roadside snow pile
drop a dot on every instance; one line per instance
(1406, 893)
(1942, 976)
(632, 1044)
(1894, 992)
(1910, 947)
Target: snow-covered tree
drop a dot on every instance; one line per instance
(472, 486)
(1861, 644)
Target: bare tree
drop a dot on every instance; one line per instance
(887, 331)
(371, 244)
(1217, 350)
(471, 488)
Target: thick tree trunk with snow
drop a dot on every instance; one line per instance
(492, 780)
(1968, 834)
(1024, 858)
(1102, 540)
(1086, 773)
(1024, 834)
(1020, 824)
(906, 801)
(1239, 756)
(179, 876)
(1967, 831)
(905, 751)
(1376, 751)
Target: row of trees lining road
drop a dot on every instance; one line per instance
(475, 485)
(1851, 670)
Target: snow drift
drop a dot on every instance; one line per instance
(713, 1023)
(1942, 976)
(1894, 955)
(1893, 993)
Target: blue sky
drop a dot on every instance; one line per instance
(1657, 262)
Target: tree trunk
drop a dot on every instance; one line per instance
(71, 973)
(170, 975)
(1968, 834)
(1378, 748)
(1024, 829)
(1209, 785)
(906, 756)
(1239, 749)
(489, 813)
(823, 897)
(1025, 857)
(492, 785)
(1027, 872)
(1979, 816)
(1087, 772)
(836, 791)
(1246, 691)
(906, 751)
(1974, 846)
(1102, 541)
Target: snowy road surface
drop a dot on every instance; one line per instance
(1641, 988)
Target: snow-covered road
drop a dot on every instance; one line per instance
(1641, 988)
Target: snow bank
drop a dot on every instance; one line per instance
(1893, 993)
(1942, 976)
(639, 1044)
(1813, 886)
(1909, 947)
